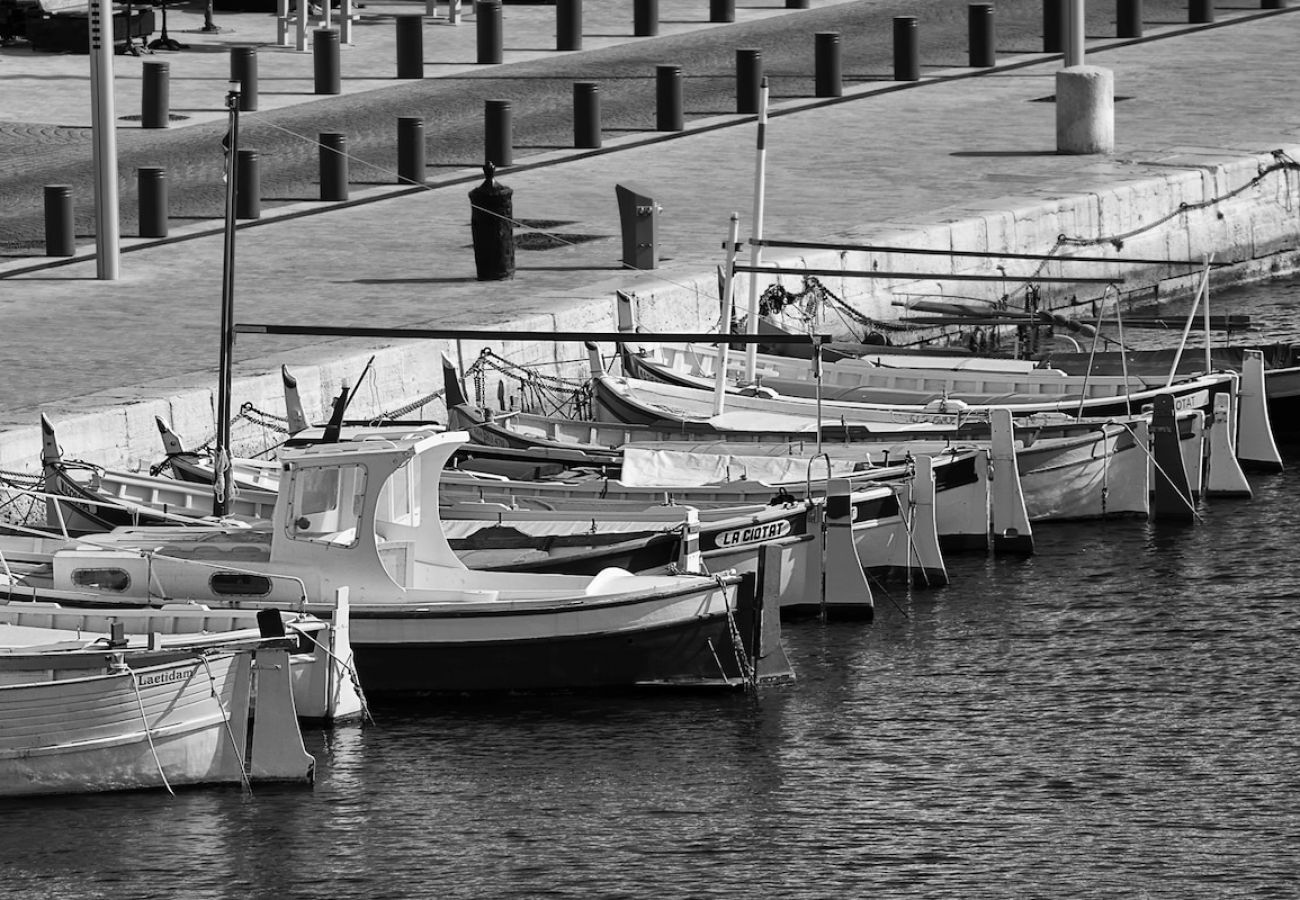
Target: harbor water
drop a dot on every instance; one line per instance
(1112, 717)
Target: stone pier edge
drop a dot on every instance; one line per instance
(1185, 206)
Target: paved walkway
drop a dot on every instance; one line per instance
(881, 160)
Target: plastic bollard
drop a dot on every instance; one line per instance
(826, 62)
(722, 10)
(155, 96)
(410, 46)
(60, 237)
(243, 68)
(907, 49)
(568, 24)
(749, 80)
(248, 185)
(410, 150)
(1128, 18)
(983, 52)
(152, 185)
(1200, 12)
(498, 138)
(333, 166)
(492, 226)
(325, 60)
(586, 115)
(645, 18)
(488, 32)
(1054, 26)
(669, 115)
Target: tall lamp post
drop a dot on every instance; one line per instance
(222, 481)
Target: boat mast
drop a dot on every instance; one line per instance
(724, 330)
(221, 456)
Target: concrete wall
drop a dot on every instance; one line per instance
(1233, 208)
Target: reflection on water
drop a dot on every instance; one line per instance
(1113, 717)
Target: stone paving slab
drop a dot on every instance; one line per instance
(880, 161)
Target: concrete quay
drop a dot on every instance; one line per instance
(965, 159)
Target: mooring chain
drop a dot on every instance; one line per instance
(737, 643)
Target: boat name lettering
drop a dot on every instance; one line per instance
(171, 676)
(1192, 401)
(754, 534)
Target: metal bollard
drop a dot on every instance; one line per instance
(1054, 26)
(722, 10)
(586, 115)
(826, 62)
(410, 150)
(152, 185)
(568, 24)
(1200, 12)
(797, 4)
(1128, 18)
(492, 225)
(155, 97)
(645, 18)
(243, 68)
(1272, 4)
(60, 237)
(333, 166)
(498, 139)
(488, 31)
(248, 185)
(410, 46)
(669, 115)
(325, 60)
(907, 49)
(983, 52)
(749, 80)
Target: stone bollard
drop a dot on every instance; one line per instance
(568, 24)
(907, 49)
(489, 39)
(325, 61)
(826, 64)
(749, 80)
(493, 228)
(1085, 110)
(645, 18)
(669, 113)
(1128, 18)
(586, 115)
(248, 185)
(60, 236)
(410, 46)
(410, 150)
(498, 133)
(333, 166)
(983, 43)
(152, 186)
(243, 68)
(155, 96)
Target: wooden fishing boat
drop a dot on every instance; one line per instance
(79, 717)
(364, 515)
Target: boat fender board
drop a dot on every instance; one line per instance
(1012, 533)
(1256, 447)
(923, 528)
(847, 592)
(296, 419)
(277, 753)
(1173, 495)
(767, 652)
(1223, 475)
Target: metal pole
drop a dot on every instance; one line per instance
(1074, 34)
(221, 457)
(756, 253)
(104, 128)
(724, 330)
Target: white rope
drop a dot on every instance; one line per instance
(148, 732)
(225, 717)
(347, 666)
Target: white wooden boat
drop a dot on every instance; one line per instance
(364, 516)
(79, 719)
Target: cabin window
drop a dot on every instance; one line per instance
(326, 503)
(102, 579)
(240, 583)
